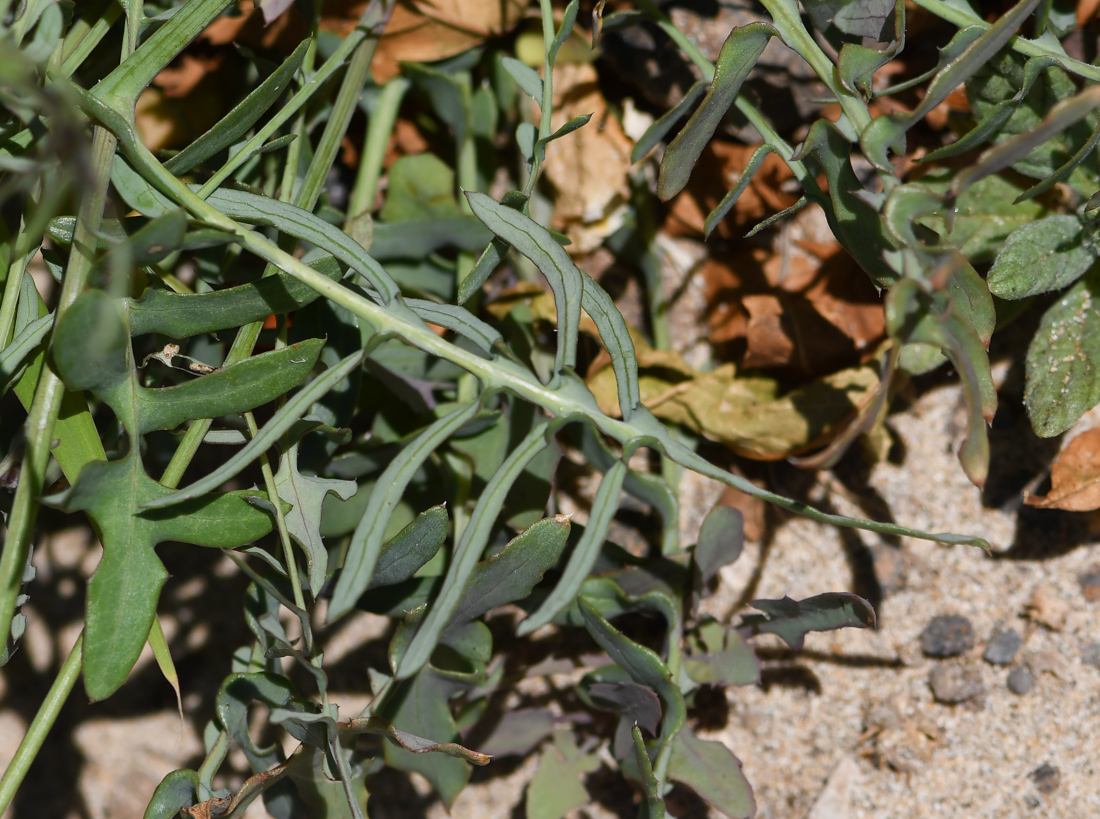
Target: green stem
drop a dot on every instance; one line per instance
(82, 38)
(42, 416)
(280, 519)
(956, 15)
(546, 10)
(790, 25)
(43, 721)
(377, 138)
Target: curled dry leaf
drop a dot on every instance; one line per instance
(426, 30)
(589, 169)
(1074, 477)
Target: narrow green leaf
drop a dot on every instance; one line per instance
(666, 122)
(585, 552)
(456, 318)
(468, 550)
(565, 130)
(525, 76)
(410, 548)
(243, 116)
(164, 661)
(14, 357)
(1063, 360)
(136, 192)
(1046, 255)
(1065, 170)
(792, 620)
(615, 336)
(568, 20)
(996, 116)
(715, 217)
(366, 543)
(654, 806)
(711, 770)
(294, 409)
(1064, 114)
(739, 54)
(493, 254)
(536, 243)
(262, 210)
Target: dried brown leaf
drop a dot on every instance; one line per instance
(1074, 477)
(747, 414)
(717, 171)
(590, 167)
(426, 30)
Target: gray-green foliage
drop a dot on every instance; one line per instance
(414, 468)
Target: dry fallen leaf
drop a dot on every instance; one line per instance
(751, 508)
(802, 304)
(748, 414)
(426, 30)
(1047, 609)
(1074, 477)
(590, 167)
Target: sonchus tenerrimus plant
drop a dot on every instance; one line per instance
(416, 442)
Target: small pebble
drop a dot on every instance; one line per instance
(1002, 646)
(953, 683)
(948, 635)
(1046, 777)
(1020, 680)
(1090, 584)
(1091, 654)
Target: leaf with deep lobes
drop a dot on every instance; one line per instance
(306, 494)
(792, 620)
(123, 592)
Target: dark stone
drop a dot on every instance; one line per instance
(1002, 646)
(1046, 777)
(948, 635)
(1020, 680)
(1090, 655)
(1090, 584)
(953, 683)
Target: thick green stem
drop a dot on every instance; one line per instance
(43, 721)
(47, 397)
(374, 147)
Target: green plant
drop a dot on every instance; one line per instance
(435, 438)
